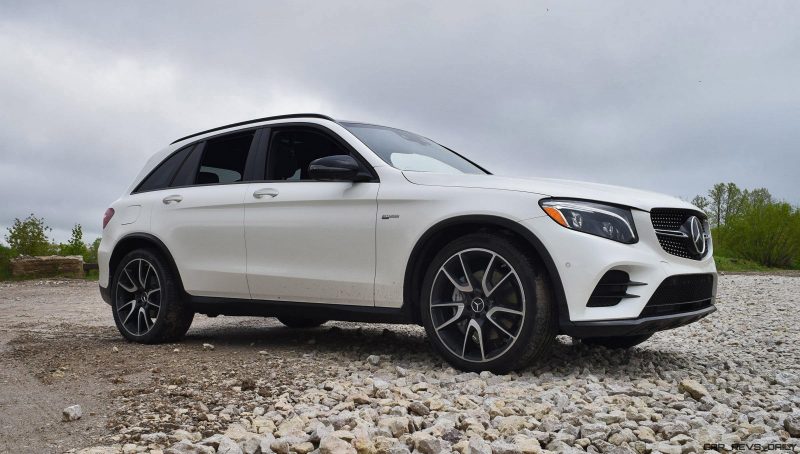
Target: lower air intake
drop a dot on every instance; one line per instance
(612, 288)
(681, 293)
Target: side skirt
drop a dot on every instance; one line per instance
(262, 308)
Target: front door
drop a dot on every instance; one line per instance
(309, 241)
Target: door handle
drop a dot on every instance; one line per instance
(272, 192)
(172, 198)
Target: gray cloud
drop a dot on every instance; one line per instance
(670, 96)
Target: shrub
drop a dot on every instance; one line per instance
(90, 256)
(75, 245)
(5, 262)
(29, 237)
(767, 233)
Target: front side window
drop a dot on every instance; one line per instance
(224, 159)
(292, 150)
(408, 151)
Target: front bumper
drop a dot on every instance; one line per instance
(581, 260)
(634, 327)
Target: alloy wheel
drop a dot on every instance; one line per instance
(138, 297)
(477, 305)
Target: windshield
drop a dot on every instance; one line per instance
(408, 151)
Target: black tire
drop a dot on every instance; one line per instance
(618, 342)
(300, 322)
(533, 332)
(173, 316)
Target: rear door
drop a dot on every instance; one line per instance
(310, 241)
(200, 217)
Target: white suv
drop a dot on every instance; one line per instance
(308, 219)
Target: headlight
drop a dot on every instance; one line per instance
(598, 219)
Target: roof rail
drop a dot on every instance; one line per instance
(257, 120)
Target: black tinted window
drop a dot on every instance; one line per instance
(292, 150)
(224, 159)
(161, 177)
(188, 171)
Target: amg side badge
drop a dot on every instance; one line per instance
(390, 216)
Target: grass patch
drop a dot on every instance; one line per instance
(734, 264)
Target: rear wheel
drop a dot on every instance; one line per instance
(617, 342)
(486, 305)
(301, 322)
(146, 299)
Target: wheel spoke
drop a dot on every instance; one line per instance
(473, 325)
(467, 273)
(130, 279)
(486, 274)
(146, 320)
(454, 318)
(139, 275)
(126, 305)
(146, 274)
(456, 284)
(504, 309)
(498, 326)
(500, 282)
(127, 317)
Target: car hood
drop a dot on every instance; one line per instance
(635, 198)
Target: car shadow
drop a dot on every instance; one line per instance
(409, 346)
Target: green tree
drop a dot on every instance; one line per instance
(29, 237)
(732, 202)
(759, 196)
(701, 202)
(716, 196)
(75, 245)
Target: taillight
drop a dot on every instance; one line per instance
(107, 217)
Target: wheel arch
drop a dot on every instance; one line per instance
(139, 240)
(445, 231)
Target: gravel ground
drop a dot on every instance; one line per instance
(250, 385)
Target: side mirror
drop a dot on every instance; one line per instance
(334, 168)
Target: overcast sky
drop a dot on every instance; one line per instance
(669, 96)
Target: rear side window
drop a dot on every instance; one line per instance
(224, 159)
(161, 177)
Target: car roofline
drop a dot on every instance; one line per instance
(256, 120)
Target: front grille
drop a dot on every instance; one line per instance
(611, 289)
(681, 293)
(672, 219)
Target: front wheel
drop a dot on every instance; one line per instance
(146, 299)
(486, 305)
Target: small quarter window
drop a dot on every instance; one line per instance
(224, 159)
(161, 176)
